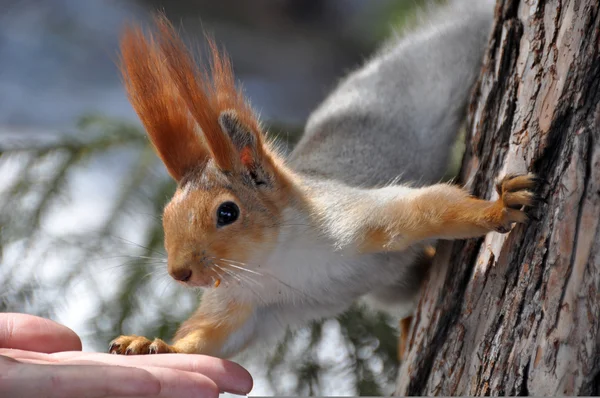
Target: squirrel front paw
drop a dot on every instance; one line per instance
(516, 192)
(139, 345)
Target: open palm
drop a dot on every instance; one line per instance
(40, 358)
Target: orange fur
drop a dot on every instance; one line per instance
(165, 87)
(207, 95)
(374, 239)
(447, 212)
(173, 97)
(193, 241)
(154, 97)
(204, 333)
(513, 183)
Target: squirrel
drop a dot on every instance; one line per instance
(278, 241)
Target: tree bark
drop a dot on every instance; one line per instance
(520, 313)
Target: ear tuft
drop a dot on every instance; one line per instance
(155, 98)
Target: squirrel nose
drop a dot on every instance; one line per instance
(182, 275)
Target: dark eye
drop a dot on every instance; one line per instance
(227, 213)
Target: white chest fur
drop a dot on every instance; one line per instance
(305, 268)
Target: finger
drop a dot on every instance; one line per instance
(182, 384)
(72, 381)
(28, 356)
(229, 376)
(28, 332)
(90, 379)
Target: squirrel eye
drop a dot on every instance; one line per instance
(227, 213)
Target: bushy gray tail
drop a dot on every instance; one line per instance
(399, 113)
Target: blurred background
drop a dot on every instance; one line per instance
(81, 191)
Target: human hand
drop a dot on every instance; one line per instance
(41, 358)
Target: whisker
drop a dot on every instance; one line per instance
(128, 263)
(138, 245)
(148, 275)
(229, 263)
(165, 282)
(224, 270)
(240, 279)
(134, 256)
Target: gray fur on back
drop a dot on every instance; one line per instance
(398, 115)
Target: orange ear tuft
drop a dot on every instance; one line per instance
(155, 98)
(196, 91)
(207, 95)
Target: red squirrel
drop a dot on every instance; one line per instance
(277, 241)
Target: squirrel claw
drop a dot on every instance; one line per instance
(113, 348)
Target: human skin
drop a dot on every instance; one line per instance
(41, 358)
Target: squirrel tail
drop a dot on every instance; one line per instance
(405, 104)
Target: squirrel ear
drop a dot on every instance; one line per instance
(243, 139)
(154, 97)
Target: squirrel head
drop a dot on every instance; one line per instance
(232, 187)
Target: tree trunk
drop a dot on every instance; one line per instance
(520, 313)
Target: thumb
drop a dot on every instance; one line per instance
(32, 333)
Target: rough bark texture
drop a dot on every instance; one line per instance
(520, 313)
